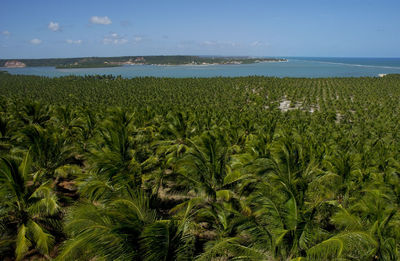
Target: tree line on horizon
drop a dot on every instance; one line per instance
(94, 62)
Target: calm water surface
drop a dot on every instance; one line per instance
(294, 67)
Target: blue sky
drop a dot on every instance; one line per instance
(355, 28)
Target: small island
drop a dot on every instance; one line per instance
(101, 62)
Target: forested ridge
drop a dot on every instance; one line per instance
(248, 168)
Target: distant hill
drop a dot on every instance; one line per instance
(95, 62)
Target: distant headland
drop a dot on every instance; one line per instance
(101, 62)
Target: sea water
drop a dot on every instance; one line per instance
(294, 67)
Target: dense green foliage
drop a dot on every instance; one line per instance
(250, 168)
(95, 62)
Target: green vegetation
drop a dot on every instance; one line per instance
(250, 168)
(393, 75)
(97, 62)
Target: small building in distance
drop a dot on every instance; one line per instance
(139, 59)
(14, 64)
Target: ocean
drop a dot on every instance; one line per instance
(310, 67)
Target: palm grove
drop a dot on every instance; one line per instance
(250, 168)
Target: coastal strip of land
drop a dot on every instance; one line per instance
(101, 62)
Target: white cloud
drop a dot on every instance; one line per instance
(209, 43)
(114, 38)
(255, 43)
(74, 41)
(100, 20)
(219, 44)
(114, 41)
(258, 44)
(138, 39)
(36, 41)
(54, 26)
(6, 33)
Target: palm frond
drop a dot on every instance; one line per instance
(359, 245)
(163, 240)
(231, 248)
(44, 201)
(93, 234)
(25, 166)
(43, 241)
(22, 242)
(344, 219)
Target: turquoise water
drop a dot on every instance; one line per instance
(294, 67)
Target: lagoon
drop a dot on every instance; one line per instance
(294, 67)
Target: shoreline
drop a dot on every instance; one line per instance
(105, 62)
(184, 64)
(127, 65)
(268, 68)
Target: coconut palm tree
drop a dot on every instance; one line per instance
(369, 230)
(29, 209)
(205, 164)
(34, 113)
(7, 133)
(123, 228)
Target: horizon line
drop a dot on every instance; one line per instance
(205, 55)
